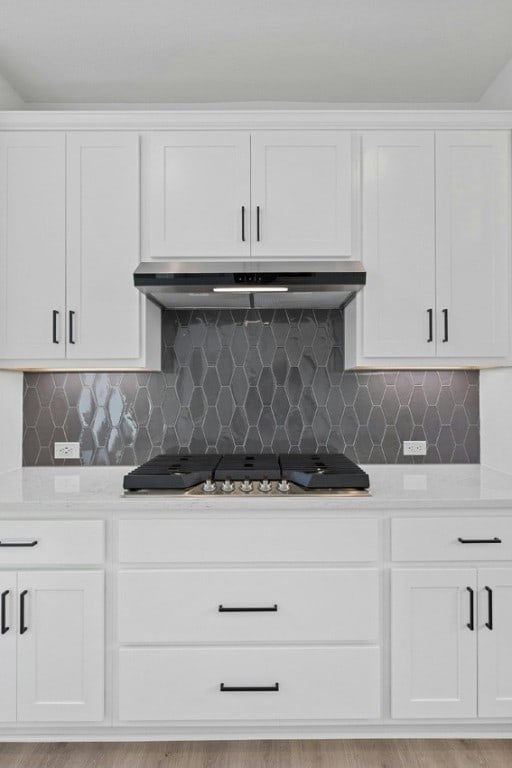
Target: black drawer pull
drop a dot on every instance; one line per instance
(71, 326)
(54, 326)
(480, 541)
(5, 628)
(243, 609)
(430, 313)
(489, 622)
(258, 238)
(243, 223)
(248, 688)
(18, 543)
(23, 626)
(445, 315)
(471, 624)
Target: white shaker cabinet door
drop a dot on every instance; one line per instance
(196, 192)
(32, 245)
(473, 213)
(398, 244)
(495, 642)
(301, 194)
(103, 246)
(434, 643)
(8, 636)
(61, 646)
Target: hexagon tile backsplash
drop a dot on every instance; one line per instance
(249, 381)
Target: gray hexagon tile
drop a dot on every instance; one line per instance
(237, 381)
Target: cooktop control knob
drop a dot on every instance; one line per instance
(283, 486)
(209, 487)
(246, 486)
(227, 486)
(264, 486)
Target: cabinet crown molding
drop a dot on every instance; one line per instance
(286, 119)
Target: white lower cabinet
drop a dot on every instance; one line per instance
(249, 683)
(447, 625)
(52, 642)
(292, 605)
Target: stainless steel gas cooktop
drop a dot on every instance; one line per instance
(249, 475)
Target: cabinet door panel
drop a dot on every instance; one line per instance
(473, 211)
(433, 650)
(301, 182)
(495, 643)
(398, 243)
(8, 636)
(32, 245)
(103, 245)
(60, 656)
(195, 184)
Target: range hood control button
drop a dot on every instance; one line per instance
(264, 486)
(246, 486)
(283, 486)
(227, 486)
(209, 487)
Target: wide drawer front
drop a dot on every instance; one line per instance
(453, 538)
(52, 542)
(248, 539)
(328, 605)
(186, 683)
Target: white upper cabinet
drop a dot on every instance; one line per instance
(301, 191)
(69, 244)
(473, 211)
(196, 194)
(234, 194)
(398, 242)
(102, 245)
(436, 246)
(32, 245)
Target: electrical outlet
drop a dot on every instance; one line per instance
(415, 448)
(66, 450)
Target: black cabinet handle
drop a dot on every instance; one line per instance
(445, 315)
(5, 628)
(18, 543)
(243, 609)
(258, 223)
(430, 313)
(23, 626)
(480, 541)
(249, 688)
(471, 624)
(243, 223)
(71, 327)
(54, 327)
(489, 622)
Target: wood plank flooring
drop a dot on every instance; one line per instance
(263, 754)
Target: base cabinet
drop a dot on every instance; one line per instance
(52, 646)
(249, 683)
(451, 635)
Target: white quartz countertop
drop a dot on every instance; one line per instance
(98, 490)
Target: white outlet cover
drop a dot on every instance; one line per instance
(415, 448)
(66, 450)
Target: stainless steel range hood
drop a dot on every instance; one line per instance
(250, 284)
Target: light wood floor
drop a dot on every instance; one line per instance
(263, 754)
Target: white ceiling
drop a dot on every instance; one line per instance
(164, 51)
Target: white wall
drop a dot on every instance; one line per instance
(9, 98)
(499, 92)
(496, 419)
(11, 420)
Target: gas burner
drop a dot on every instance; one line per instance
(249, 476)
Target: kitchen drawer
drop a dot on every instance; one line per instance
(248, 540)
(437, 538)
(58, 542)
(328, 605)
(184, 683)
